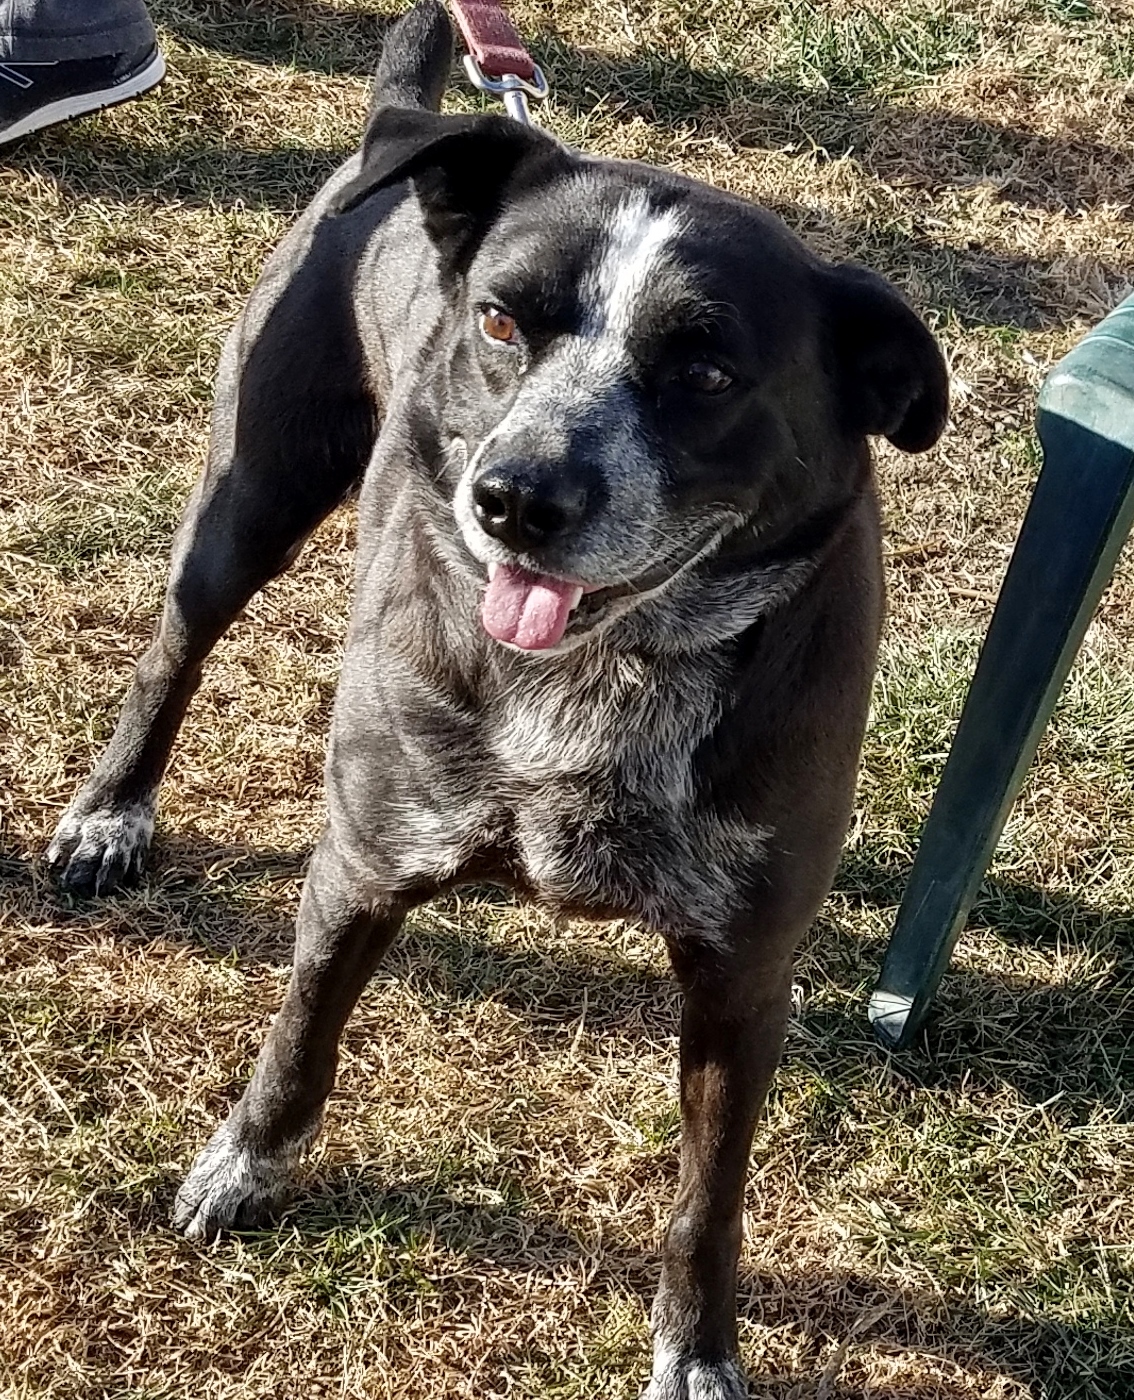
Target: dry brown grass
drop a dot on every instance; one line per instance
(481, 1216)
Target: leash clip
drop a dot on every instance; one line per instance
(497, 61)
(511, 87)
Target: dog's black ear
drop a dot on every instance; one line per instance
(893, 376)
(460, 168)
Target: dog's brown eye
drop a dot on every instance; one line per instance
(498, 325)
(704, 377)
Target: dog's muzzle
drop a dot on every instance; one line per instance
(529, 507)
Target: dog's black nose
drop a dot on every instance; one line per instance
(525, 509)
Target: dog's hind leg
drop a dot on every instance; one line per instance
(292, 431)
(293, 428)
(732, 1029)
(243, 1174)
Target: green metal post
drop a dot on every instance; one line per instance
(1080, 514)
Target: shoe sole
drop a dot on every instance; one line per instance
(84, 103)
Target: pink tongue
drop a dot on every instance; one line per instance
(528, 610)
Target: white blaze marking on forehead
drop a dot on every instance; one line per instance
(636, 249)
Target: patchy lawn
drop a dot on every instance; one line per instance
(481, 1216)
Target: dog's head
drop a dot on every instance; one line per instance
(638, 366)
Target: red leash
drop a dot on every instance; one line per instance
(497, 61)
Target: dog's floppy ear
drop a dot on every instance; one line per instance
(893, 377)
(460, 167)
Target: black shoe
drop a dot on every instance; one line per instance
(35, 95)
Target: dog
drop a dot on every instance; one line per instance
(616, 613)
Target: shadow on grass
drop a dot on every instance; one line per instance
(228, 900)
(897, 143)
(1022, 913)
(221, 901)
(371, 1230)
(836, 119)
(199, 173)
(904, 146)
(979, 286)
(987, 1028)
(1042, 1041)
(305, 34)
(1061, 1361)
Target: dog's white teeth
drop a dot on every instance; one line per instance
(493, 570)
(575, 600)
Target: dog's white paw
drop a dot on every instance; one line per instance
(230, 1187)
(95, 851)
(677, 1377)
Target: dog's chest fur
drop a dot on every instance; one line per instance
(580, 771)
(608, 812)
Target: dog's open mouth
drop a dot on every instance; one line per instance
(528, 610)
(533, 611)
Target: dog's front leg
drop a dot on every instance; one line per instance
(244, 1172)
(732, 1029)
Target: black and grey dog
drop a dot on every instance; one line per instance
(617, 603)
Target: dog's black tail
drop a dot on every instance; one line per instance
(416, 60)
